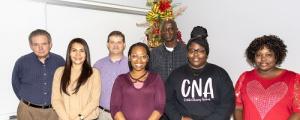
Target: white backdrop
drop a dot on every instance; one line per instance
(66, 23)
(20, 17)
(233, 24)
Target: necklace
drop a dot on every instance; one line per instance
(138, 79)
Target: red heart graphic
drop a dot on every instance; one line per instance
(265, 99)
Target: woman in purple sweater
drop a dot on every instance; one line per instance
(139, 94)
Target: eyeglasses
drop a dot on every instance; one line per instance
(193, 51)
(142, 57)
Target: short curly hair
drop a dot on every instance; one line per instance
(272, 42)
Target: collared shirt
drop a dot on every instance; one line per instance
(32, 79)
(164, 62)
(109, 71)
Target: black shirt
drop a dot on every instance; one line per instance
(204, 94)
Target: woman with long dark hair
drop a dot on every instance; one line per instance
(76, 86)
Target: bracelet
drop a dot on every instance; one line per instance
(81, 117)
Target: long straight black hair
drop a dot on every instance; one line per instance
(86, 70)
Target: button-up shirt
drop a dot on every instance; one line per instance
(164, 62)
(109, 71)
(32, 79)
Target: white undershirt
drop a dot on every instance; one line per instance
(169, 48)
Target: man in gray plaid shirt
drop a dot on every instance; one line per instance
(169, 55)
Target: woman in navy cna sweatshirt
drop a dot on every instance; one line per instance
(199, 90)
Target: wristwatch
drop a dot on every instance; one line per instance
(81, 117)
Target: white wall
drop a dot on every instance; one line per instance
(233, 24)
(132, 3)
(20, 17)
(66, 23)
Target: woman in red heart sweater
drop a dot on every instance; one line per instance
(267, 92)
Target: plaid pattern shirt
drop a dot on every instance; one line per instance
(164, 62)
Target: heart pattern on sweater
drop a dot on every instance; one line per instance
(265, 99)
